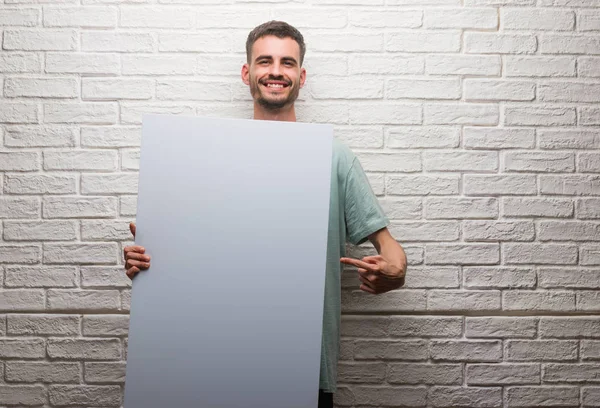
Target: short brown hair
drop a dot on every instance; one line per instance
(279, 29)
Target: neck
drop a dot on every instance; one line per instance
(285, 114)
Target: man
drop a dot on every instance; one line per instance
(275, 53)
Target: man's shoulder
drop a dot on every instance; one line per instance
(342, 154)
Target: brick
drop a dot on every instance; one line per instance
(568, 92)
(588, 162)
(492, 43)
(425, 326)
(361, 137)
(538, 300)
(423, 137)
(37, 277)
(336, 114)
(19, 161)
(39, 136)
(193, 90)
(537, 207)
(490, 90)
(568, 139)
(568, 373)
(39, 184)
(422, 185)
(590, 255)
(22, 395)
(462, 254)
(589, 116)
(104, 230)
(28, 254)
(80, 160)
(461, 18)
(568, 231)
(500, 184)
(40, 40)
(18, 112)
(537, 19)
(569, 44)
(390, 162)
(54, 372)
(82, 63)
(79, 300)
(20, 62)
(47, 324)
(102, 136)
(502, 374)
(521, 66)
(406, 300)
(22, 348)
(591, 396)
(104, 277)
(109, 325)
(205, 42)
(588, 67)
(414, 350)
(109, 372)
(423, 41)
(19, 207)
(423, 2)
(569, 3)
(382, 19)
(88, 349)
(88, 113)
(40, 230)
(570, 184)
(570, 327)
(465, 397)
(128, 205)
(531, 396)
(425, 231)
(580, 278)
(41, 87)
(588, 20)
(447, 300)
(91, 16)
(498, 231)
(26, 17)
(118, 41)
(156, 17)
(588, 301)
(498, 138)
(538, 116)
(460, 161)
(590, 350)
(460, 208)
(463, 114)
(96, 395)
(544, 254)
(385, 395)
(587, 208)
(541, 350)
(388, 113)
(423, 89)
(489, 65)
(126, 300)
(498, 278)
(99, 253)
(132, 113)
(382, 64)
(501, 327)
(432, 277)
(111, 88)
(123, 183)
(364, 326)
(430, 374)
(361, 372)
(300, 18)
(546, 162)
(79, 207)
(355, 42)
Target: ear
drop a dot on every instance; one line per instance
(246, 74)
(302, 77)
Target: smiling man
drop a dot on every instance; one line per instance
(274, 72)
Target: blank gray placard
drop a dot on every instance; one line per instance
(234, 214)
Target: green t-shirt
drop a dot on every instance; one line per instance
(354, 214)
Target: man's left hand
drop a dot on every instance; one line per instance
(377, 274)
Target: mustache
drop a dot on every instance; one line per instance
(275, 78)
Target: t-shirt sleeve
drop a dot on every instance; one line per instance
(364, 214)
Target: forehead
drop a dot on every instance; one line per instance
(276, 47)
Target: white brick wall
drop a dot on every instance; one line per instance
(476, 121)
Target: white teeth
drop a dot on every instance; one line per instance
(274, 86)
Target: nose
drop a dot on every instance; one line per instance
(275, 69)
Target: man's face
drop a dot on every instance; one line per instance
(274, 73)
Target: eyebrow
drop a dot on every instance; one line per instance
(260, 57)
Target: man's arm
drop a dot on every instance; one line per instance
(384, 272)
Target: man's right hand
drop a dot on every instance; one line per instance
(135, 257)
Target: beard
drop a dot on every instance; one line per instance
(271, 101)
